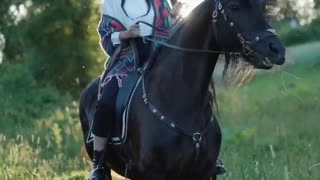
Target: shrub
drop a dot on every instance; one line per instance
(23, 99)
(301, 34)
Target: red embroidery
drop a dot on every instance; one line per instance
(165, 12)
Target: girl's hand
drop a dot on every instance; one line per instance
(176, 9)
(132, 32)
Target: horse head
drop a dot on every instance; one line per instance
(242, 26)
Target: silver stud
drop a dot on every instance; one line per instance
(220, 6)
(162, 117)
(231, 24)
(257, 38)
(242, 39)
(225, 17)
(154, 110)
(172, 125)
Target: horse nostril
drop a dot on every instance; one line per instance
(273, 48)
(281, 61)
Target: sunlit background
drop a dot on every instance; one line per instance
(49, 52)
(188, 6)
(304, 8)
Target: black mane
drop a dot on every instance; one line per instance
(194, 15)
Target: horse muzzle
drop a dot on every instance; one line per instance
(267, 53)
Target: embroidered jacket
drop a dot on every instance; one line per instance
(125, 61)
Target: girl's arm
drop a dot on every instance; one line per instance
(109, 33)
(175, 9)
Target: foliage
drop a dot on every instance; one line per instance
(269, 126)
(302, 11)
(59, 39)
(39, 131)
(273, 131)
(7, 24)
(301, 34)
(56, 39)
(59, 43)
(22, 98)
(305, 53)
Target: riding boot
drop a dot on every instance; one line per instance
(98, 171)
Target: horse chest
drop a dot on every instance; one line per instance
(175, 153)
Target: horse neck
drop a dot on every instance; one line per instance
(179, 81)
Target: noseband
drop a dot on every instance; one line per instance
(246, 43)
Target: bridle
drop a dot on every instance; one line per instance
(246, 42)
(218, 9)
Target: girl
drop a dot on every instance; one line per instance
(121, 38)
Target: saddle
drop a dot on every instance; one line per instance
(124, 99)
(123, 104)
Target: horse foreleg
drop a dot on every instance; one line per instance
(108, 174)
(154, 176)
(213, 178)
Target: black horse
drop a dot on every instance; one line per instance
(173, 133)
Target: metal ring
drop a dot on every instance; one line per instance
(215, 14)
(196, 137)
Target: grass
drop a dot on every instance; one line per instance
(305, 53)
(270, 126)
(39, 129)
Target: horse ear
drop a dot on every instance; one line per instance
(269, 2)
(269, 6)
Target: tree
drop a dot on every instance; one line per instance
(317, 4)
(57, 40)
(8, 27)
(301, 11)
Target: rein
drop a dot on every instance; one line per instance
(246, 49)
(165, 44)
(172, 46)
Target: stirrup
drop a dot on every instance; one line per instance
(220, 169)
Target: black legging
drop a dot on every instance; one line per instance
(106, 105)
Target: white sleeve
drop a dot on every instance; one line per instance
(107, 7)
(115, 38)
(170, 4)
